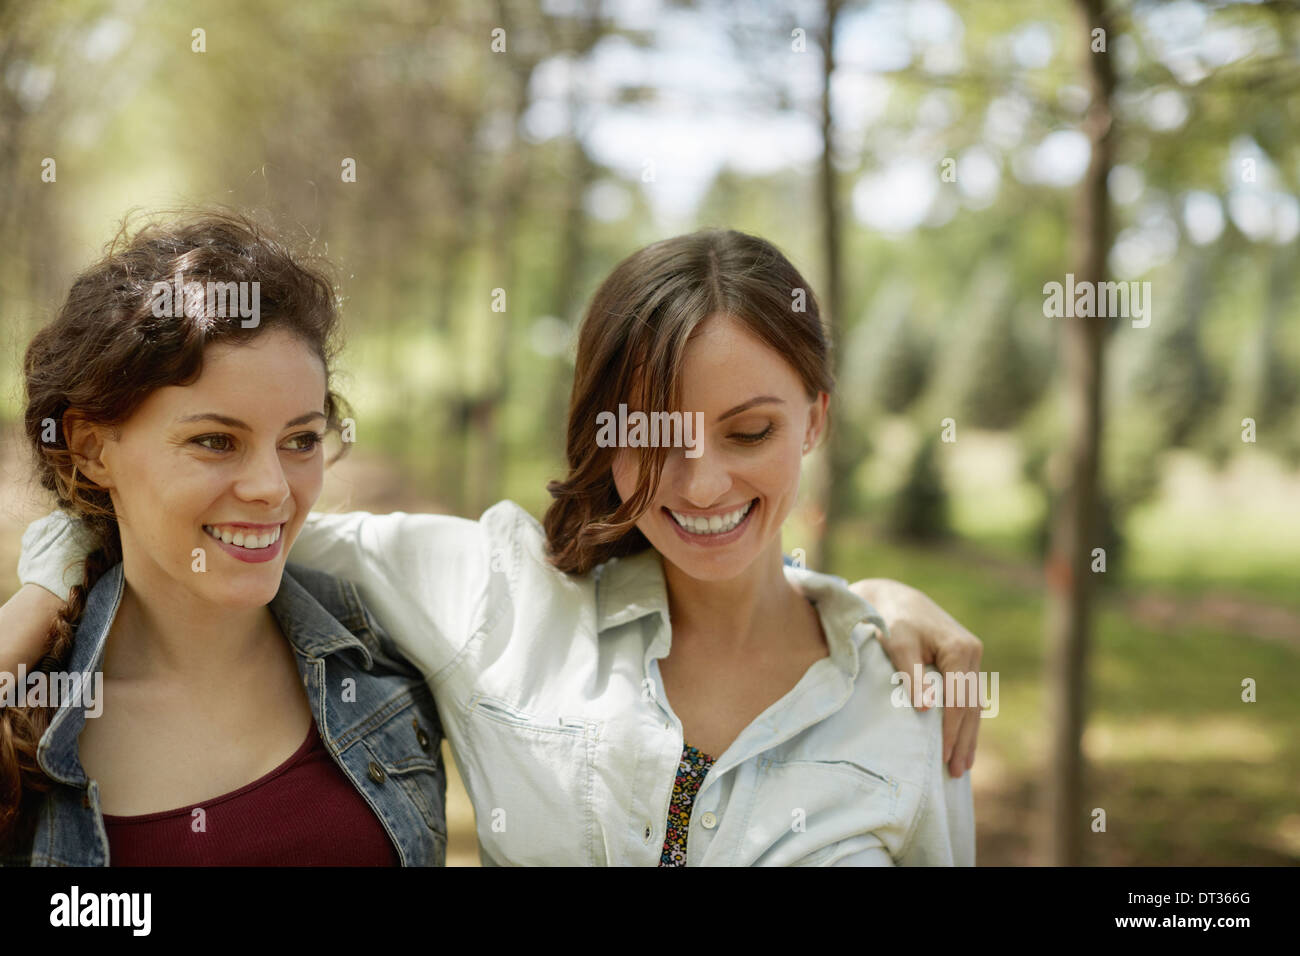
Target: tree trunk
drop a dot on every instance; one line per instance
(1074, 524)
(829, 476)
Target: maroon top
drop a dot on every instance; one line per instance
(305, 812)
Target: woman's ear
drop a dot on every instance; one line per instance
(86, 443)
(818, 416)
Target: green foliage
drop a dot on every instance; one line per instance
(903, 364)
(994, 378)
(918, 511)
(886, 359)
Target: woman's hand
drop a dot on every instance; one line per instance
(921, 632)
(25, 621)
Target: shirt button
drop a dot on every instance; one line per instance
(376, 772)
(422, 737)
(708, 821)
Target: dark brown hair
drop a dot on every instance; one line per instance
(630, 350)
(100, 358)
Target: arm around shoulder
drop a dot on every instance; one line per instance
(423, 576)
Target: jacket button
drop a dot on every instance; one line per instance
(376, 772)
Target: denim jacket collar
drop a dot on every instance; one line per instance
(633, 587)
(310, 628)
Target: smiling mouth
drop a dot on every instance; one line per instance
(715, 524)
(242, 537)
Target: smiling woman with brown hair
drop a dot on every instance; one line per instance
(189, 443)
(767, 674)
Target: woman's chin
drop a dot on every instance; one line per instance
(242, 595)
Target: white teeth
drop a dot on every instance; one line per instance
(243, 539)
(717, 524)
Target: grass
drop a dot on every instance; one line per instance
(1188, 773)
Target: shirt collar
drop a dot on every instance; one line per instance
(633, 587)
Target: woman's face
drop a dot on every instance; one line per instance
(715, 514)
(220, 474)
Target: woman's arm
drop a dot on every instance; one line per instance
(920, 633)
(25, 621)
(424, 577)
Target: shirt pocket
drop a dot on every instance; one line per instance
(531, 778)
(816, 812)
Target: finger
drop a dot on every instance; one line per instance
(961, 707)
(964, 752)
(970, 757)
(952, 724)
(904, 649)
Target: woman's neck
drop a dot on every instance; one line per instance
(163, 631)
(739, 612)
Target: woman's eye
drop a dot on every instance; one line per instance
(219, 442)
(307, 441)
(752, 438)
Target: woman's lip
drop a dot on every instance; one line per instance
(256, 556)
(713, 540)
(244, 524)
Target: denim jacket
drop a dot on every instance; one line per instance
(387, 741)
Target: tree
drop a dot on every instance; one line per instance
(1074, 522)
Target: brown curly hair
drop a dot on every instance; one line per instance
(103, 354)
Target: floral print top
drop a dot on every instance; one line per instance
(690, 774)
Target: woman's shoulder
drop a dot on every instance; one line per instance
(878, 727)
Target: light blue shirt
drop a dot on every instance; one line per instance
(549, 691)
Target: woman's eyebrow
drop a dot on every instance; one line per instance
(236, 423)
(745, 406)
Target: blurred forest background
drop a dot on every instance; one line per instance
(927, 164)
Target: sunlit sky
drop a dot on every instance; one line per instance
(712, 109)
(705, 118)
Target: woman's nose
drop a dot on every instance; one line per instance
(701, 481)
(262, 479)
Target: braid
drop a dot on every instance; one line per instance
(22, 781)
